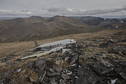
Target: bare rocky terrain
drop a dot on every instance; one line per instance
(99, 57)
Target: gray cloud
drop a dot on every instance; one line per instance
(105, 11)
(61, 7)
(15, 12)
(61, 11)
(76, 4)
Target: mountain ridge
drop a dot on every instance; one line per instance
(36, 27)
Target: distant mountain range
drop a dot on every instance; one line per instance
(9, 17)
(35, 27)
(102, 16)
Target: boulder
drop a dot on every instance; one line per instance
(57, 68)
(74, 60)
(53, 81)
(40, 64)
(121, 71)
(65, 76)
(87, 76)
(102, 67)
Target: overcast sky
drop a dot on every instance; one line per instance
(62, 7)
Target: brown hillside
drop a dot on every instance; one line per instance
(34, 28)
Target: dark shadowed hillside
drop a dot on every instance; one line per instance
(104, 22)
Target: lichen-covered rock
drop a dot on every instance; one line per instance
(88, 76)
(103, 67)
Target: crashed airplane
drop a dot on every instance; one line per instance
(55, 45)
(47, 48)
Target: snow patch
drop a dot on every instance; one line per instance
(19, 70)
(76, 77)
(117, 26)
(69, 72)
(73, 65)
(113, 81)
(121, 21)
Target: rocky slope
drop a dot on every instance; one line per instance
(99, 58)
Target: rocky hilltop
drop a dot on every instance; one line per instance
(97, 58)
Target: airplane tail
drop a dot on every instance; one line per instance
(36, 44)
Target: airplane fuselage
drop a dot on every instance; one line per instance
(56, 44)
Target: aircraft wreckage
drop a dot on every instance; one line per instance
(48, 48)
